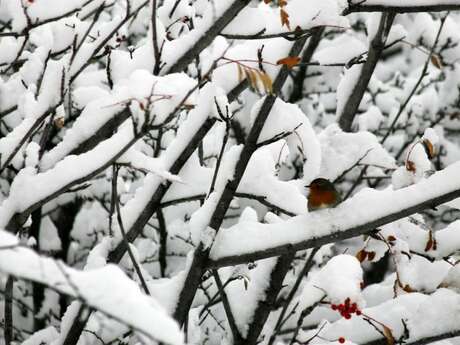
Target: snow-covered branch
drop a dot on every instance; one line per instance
(359, 215)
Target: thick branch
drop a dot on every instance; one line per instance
(402, 6)
(208, 36)
(155, 201)
(334, 232)
(375, 50)
(201, 254)
(421, 341)
(307, 55)
(266, 304)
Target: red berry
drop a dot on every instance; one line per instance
(358, 312)
(333, 306)
(341, 340)
(341, 307)
(347, 316)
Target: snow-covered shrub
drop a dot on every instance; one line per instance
(155, 157)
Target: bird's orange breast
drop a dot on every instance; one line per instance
(321, 199)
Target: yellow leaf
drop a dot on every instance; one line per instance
(252, 77)
(266, 81)
(240, 72)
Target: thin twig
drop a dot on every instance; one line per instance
(123, 233)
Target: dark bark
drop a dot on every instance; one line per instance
(313, 42)
(336, 236)
(265, 306)
(206, 39)
(403, 7)
(376, 47)
(201, 253)
(38, 290)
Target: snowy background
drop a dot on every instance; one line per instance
(155, 157)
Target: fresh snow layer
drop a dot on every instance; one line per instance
(364, 207)
(106, 289)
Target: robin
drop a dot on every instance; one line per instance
(322, 195)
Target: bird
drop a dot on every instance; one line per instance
(323, 194)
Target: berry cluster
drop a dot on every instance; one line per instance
(346, 309)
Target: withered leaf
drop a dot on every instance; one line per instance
(410, 166)
(436, 61)
(59, 122)
(266, 81)
(407, 288)
(252, 77)
(370, 256)
(240, 72)
(388, 335)
(429, 148)
(289, 61)
(391, 238)
(285, 18)
(431, 243)
(361, 255)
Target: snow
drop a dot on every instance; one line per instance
(44, 336)
(106, 289)
(364, 207)
(288, 118)
(338, 280)
(35, 188)
(342, 150)
(48, 236)
(244, 303)
(205, 104)
(420, 312)
(346, 86)
(406, 3)
(137, 89)
(74, 77)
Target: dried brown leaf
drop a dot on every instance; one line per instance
(429, 148)
(361, 255)
(59, 122)
(391, 238)
(436, 61)
(430, 242)
(370, 256)
(289, 61)
(252, 77)
(240, 72)
(266, 82)
(388, 335)
(407, 288)
(410, 166)
(284, 16)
